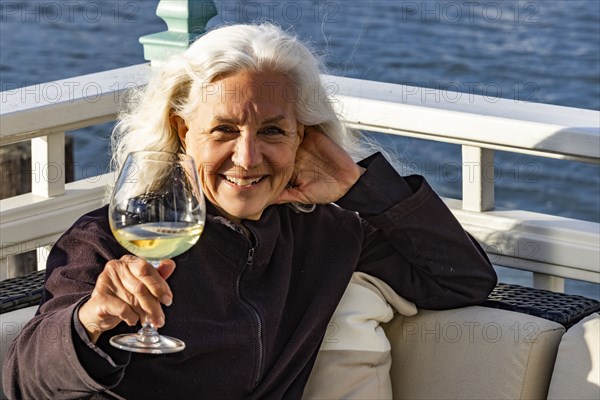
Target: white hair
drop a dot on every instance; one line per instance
(177, 87)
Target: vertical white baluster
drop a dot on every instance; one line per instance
(3, 268)
(48, 174)
(548, 282)
(477, 179)
(48, 165)
(478, 195)
(42, 256)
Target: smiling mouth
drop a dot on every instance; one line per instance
(243, 182)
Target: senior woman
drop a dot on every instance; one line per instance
(253, 298)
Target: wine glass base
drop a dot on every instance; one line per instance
(130, 342)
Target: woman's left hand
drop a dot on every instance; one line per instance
(323, 173)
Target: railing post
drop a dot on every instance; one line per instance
(186, 20)
(48, 165)
(478, 195)
(548, 282)
(42, 254)
(477, 179)
(4, 268)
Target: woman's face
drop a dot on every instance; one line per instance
(243, 137)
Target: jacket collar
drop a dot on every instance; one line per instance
(264, 231)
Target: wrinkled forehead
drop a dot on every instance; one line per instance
(247, 97)
(259, 88)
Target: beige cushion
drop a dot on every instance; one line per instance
(12, 323)
(354, 359)
(472, 353)
(577, 370)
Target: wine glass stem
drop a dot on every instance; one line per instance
(148, 334)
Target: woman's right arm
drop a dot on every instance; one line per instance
(61, 352)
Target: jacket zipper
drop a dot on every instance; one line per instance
(254, 312)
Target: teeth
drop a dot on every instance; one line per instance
(242, 181)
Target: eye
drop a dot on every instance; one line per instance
(272, 130)
(226, 129)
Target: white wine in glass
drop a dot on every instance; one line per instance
(157, 211)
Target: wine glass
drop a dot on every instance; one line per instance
(157, 211)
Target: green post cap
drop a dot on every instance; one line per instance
(186, 20)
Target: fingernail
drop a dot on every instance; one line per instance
(166, 300)
(159, 322)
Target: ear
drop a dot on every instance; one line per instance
(179, 124)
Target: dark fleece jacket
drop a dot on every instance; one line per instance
(251, 310)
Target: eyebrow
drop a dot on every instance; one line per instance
(234, 121)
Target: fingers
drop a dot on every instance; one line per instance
(166, 268)
(300, 130)
(310, 129)
(288, 195)
(141, 288)
(145, 282)
(109, 309)
(129, 290)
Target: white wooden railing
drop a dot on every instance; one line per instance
(551, 247)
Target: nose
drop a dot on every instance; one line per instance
(247, 154)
